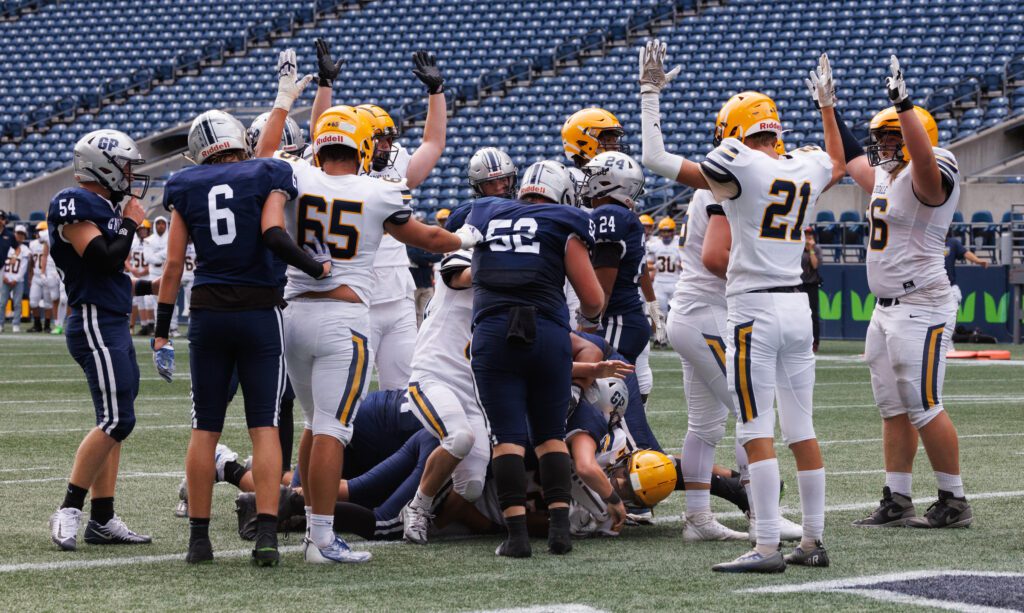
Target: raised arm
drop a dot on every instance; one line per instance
(289, 88)
(432, 147)
(823, 88)
(327, 73)
(924, 172)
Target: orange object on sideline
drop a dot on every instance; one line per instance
(994, 354)
(962, 355)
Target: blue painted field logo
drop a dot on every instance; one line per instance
(953, 590)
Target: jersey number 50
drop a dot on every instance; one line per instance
(778, 231)
(342, 239)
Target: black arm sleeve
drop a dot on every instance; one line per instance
(851, 146)
(278, 241)
(607, 255)
(714, 209)
(104, 257)
(164, 313)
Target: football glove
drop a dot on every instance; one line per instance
(426, 70)
(653, 77)
(821, 84)
(657, 322)
(469, 236)
(319, 252)
(163, 359)
(289, 86)
(897, 87)
(328, 69)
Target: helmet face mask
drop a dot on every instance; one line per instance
(886, 150)
(487, 168)
(385, 152)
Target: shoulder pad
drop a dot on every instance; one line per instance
(812, 152)
(731, 152)
(947, 164)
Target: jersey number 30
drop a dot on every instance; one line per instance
(778, 230)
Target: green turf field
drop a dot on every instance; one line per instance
(45, 408)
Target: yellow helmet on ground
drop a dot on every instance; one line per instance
(652, 475)
(646, 220)
(441, 216)
(887, 122)
(748, 113)
(581, 135)
(344, 125)
(667, 223)
(41, 226)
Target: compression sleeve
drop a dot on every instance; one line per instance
(103, 257)
(607, 255)
(851, 146)
(655, 158)
(278, 241)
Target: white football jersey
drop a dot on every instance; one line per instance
(36, 249)
(908, 238)
(391, 264)
(768, 202)
(696, 283)
(442, 343)
(188, 273)
(155, 250)
(664, 259)
(137, 255)
(18, 260)
(348, 213)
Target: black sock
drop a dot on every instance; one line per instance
(74, 497)
(517, 527)
(730, 489)
(555, 479)
(266, 524)
(643, 399)
(509, 472)
(355, 519)
(47, 325)
(198, 529)
(286, 432)
(101, 510)
(233, 472)
(680, 484)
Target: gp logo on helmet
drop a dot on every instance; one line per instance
(107, 144)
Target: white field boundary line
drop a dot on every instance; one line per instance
(546, 608)
(25, 469)
(126, 475)
(952, 401)
(229, 421)
(177, 377)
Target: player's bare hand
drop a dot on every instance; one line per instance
(133, 210)
(613, 368)
(617, 512)
(653, 77)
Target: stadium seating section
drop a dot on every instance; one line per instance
(516, 69)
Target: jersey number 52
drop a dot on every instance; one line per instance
(503, 235)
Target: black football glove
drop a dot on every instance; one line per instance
(426, 70)
(328, 68)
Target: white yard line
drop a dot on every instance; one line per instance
(127, 475)
(177, 377)
(839, 473)
(137, 428)
(26, 469)
(547, 608)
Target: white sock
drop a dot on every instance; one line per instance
(321, 532)
(422, 501)
(811, 484)
(764, 485)
(899, 483)
(950, 483)
(698, 501)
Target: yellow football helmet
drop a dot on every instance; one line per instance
(41, 226)
(582, 135)
(887, 122)
(383, 128)
(652, 475)
(748, 113)
(346, 126)
(441, 216)
(667, 223)
(646, 220)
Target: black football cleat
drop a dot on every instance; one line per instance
(894, 510)
(946, 512)
(200, 551)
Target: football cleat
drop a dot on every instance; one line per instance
(199, 551)
(559, 537)
(894, 510)
(64, 525)
(639, 516)
(788, 530)
(181, 509)
(245, 510)
(222, 456)
(514, 548)
(753, 562)
(415, 523)
(816, 557)
(704, 527)
(338, 552)
(57, 330)
(946, 512)
(114, 532)
(265, 552)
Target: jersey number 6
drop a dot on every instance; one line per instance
(341, 239)
(879, 229)
(769, 228)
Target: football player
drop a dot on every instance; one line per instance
(442, 391)
(142, 306)
(16, 265)
(663, 257)
(327, 322)
(392, 303)
(93, 225)
(40, 298)
(766, 199)
(648, 223)
(491, 173)
(587, 133)
(915, 188)
(522, 355)
(292, 140)
(233, 209)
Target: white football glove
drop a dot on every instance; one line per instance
(897, 87)
(821, 84)
(657, 322)
(289, 86)
(469, 236)
(653, 77)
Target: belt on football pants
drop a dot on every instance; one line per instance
(888, 302)
(791, 289)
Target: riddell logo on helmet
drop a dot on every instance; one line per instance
(766, 126)
(534, 189)
(333, 139)
(214, 149)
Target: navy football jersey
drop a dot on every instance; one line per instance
(382, 425)
(111, 291)
(521, 260)
(222, 205)
(458, 215)
(614, 223)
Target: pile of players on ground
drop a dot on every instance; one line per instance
(518, 406)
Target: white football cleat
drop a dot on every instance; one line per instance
(337, 552)
(64, 524)
(415, 523)
(181, 509)
(222, 456)
(703, 526)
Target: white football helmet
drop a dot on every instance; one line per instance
(108, 157)
(615, 175)
(292, 139)
(549, 180)
(609, 395)
(215, 132)
(491, 163)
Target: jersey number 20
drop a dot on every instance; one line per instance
(778, 231)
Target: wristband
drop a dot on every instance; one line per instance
(164, 312)
(143, 288)
(613, 498)
(595, 320)
(904, 105)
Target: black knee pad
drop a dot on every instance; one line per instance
(510, 479)
(555, 480)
